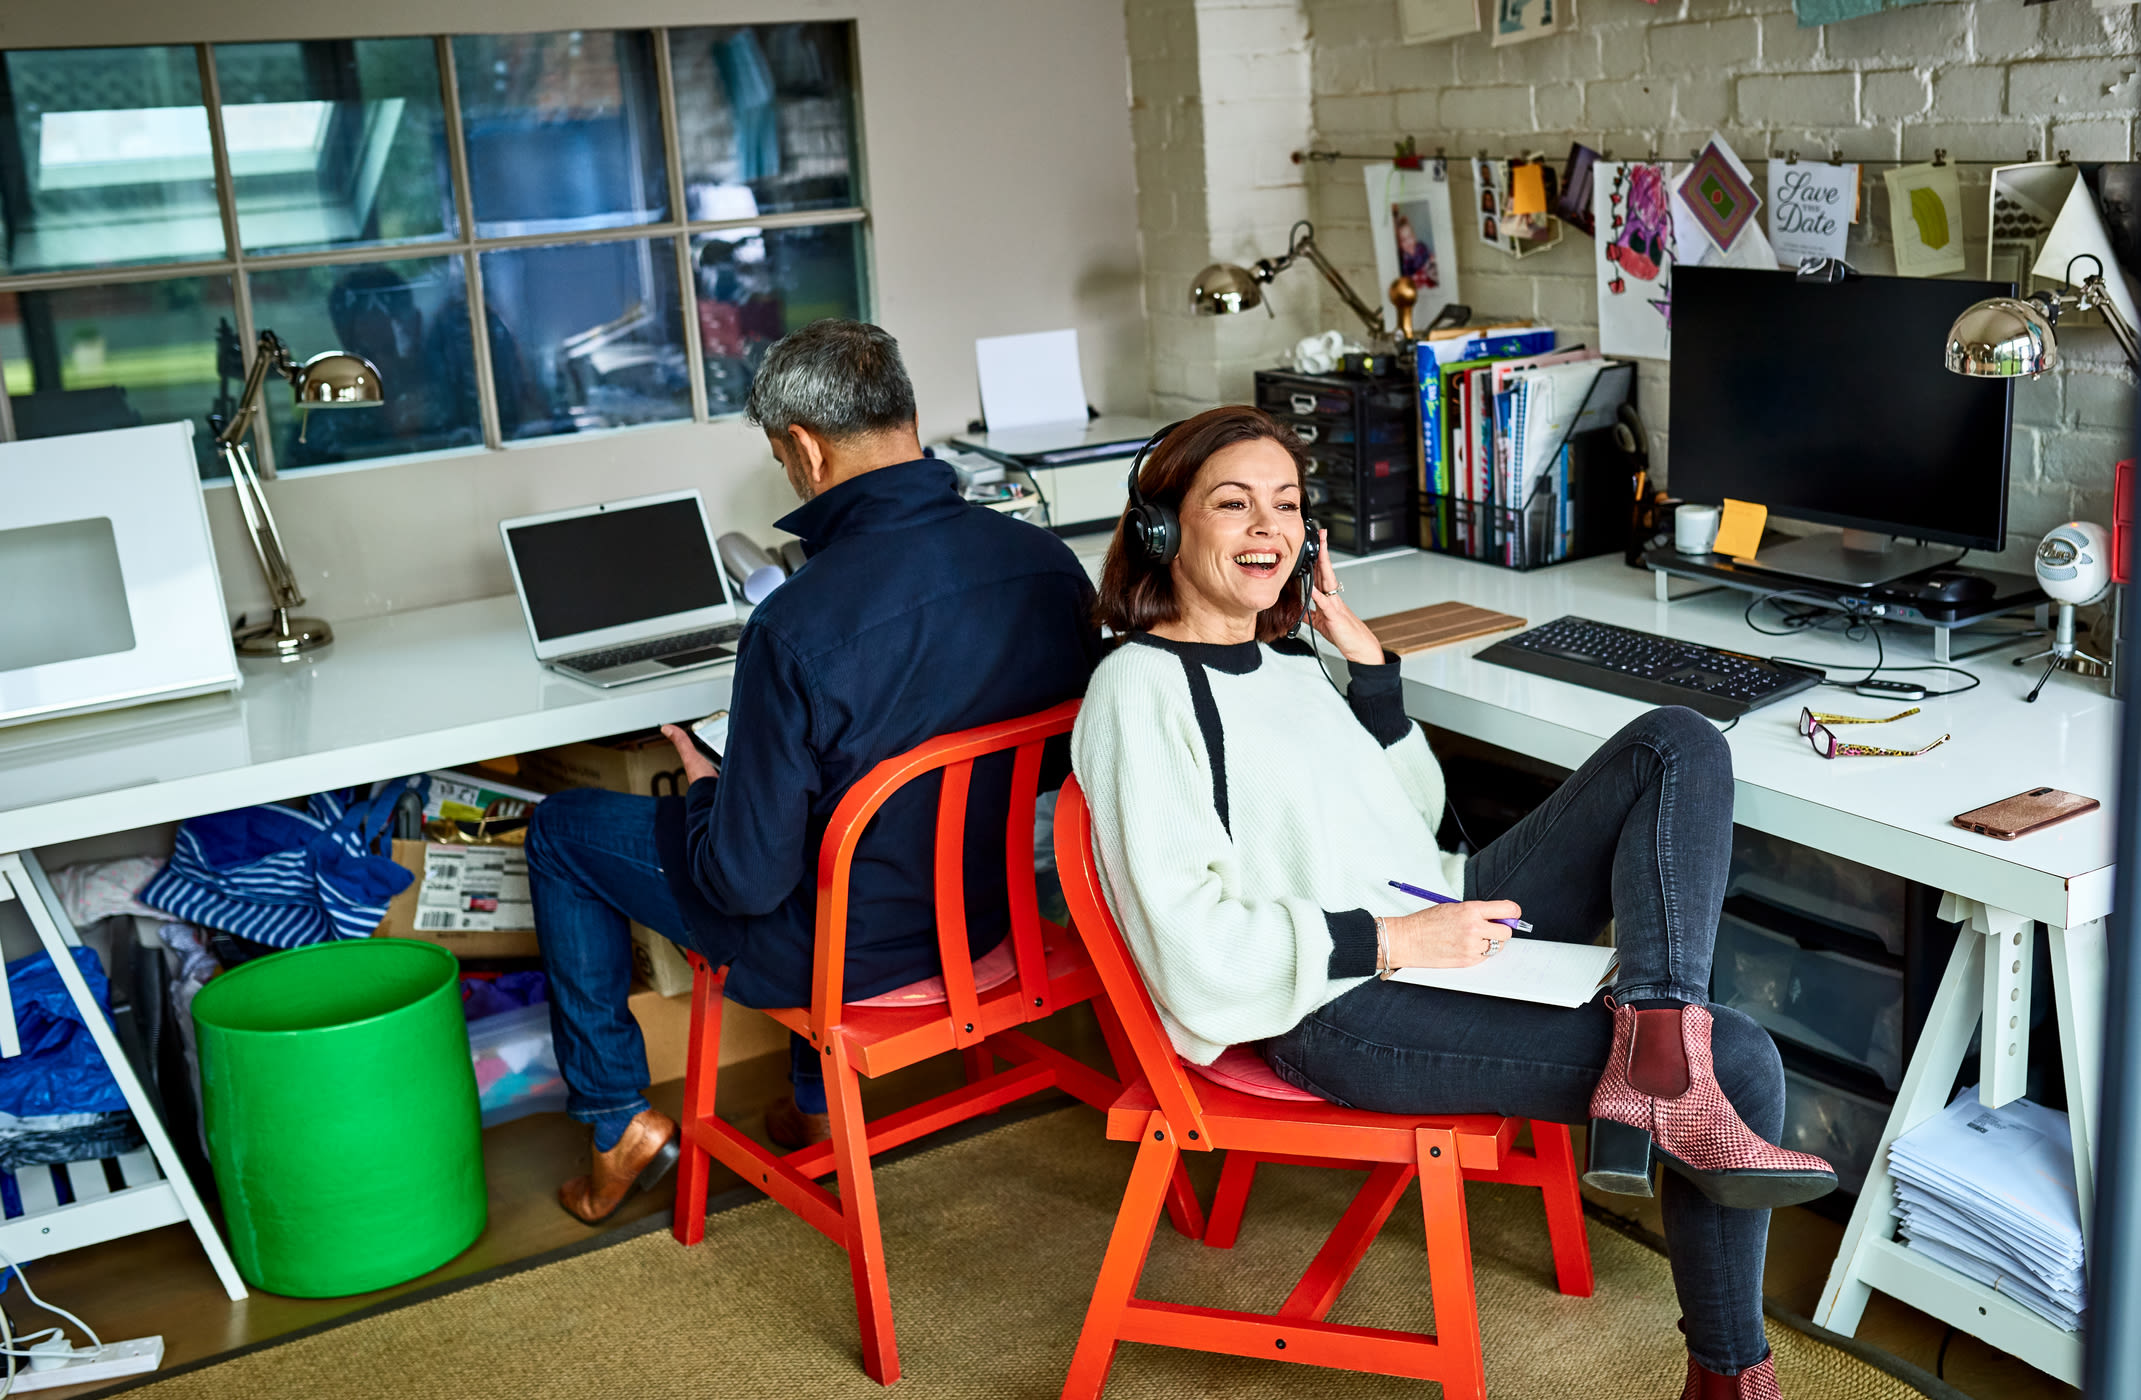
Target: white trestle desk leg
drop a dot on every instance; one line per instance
(2078, 975)
(1988, 980)
(21, 878)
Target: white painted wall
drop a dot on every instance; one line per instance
(1002, 198)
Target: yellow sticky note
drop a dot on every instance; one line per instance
(1739, 529)
(1527, 189)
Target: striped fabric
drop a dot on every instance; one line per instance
(283, 877)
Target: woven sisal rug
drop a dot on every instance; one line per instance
(994, 1242)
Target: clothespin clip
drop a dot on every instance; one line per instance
(1940, 155)
(2063, 159)
(1652, 157)
(1793, 158)
(1441, 153)
(2030, 154)
(1836, 155)
(1408, 155)
(1607, 155)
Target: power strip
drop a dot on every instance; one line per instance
(79, 1366)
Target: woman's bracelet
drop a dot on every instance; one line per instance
(1383, 969)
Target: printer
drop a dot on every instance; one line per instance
(1077, 469)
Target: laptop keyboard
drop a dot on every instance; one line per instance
(660, 648)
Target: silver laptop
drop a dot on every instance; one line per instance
(623, 591)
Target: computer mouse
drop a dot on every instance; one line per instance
(1953, 586)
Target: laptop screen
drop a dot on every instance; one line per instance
(613, 567)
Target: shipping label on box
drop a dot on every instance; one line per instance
(473, 889)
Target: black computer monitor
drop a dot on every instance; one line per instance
(1829, 402)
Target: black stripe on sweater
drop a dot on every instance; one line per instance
(1215, 741)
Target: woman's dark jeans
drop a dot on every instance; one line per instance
(1641, 834)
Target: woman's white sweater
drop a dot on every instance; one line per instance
(1248, 822)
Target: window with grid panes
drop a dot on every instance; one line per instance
(530, 235)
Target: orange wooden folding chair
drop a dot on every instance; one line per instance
(975, 1008)
(1245, 1111)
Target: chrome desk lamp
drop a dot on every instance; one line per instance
(331, 379)
(1225, 288)
(2006, 337)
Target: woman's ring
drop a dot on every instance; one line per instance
(1494, 945)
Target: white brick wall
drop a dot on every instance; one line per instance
(1985, 80)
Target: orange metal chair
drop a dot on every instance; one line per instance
(1169, 1114)
(900, 1029)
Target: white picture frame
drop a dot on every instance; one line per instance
(129, 501)
(1424, 194)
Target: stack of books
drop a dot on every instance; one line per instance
(1989, 1192)
(1497, 408)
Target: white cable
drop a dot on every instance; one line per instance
(96, 1343)
(7, 1334)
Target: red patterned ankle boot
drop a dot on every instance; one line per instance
(1659, 1097)
(1757, 1382)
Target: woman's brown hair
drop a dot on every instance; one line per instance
(1137, 595)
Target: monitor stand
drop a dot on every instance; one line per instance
(1834, 557)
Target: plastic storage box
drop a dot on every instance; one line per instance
(1835, 1124)
(1825, 1001)
(516, 1064)
(1838, 892)
(1363, 442)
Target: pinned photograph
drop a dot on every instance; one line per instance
(1415, 234)
(1632, 210)
(1490, 188)
(1925, 214)
(1574, 203)
(1521, 21)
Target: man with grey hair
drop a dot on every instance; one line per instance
(917, 614)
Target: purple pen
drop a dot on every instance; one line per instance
(1518, 924)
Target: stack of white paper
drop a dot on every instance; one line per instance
(1989, 1192)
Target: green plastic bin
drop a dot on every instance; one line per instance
(340, 1104)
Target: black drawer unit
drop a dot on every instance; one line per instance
(1362, 437)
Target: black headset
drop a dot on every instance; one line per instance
(1153, 531)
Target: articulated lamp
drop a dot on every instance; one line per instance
(332, 379)
(1224, 288)
(2007, 337)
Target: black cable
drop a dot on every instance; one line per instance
(1857, 627)
(1940, 1358)
(1730, 723)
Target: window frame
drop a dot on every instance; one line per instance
(678, 231)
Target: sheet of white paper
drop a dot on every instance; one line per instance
(1028, 380)
(2080, 229)
(1424, 21)
(1634, 253)
(1527, 969)
(1809, 209)
(1422, 198)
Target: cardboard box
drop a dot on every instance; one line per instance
(472, 900)
(647, 766)
(665, 1023)
(659, 963)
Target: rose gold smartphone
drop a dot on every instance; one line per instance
(2026, 812)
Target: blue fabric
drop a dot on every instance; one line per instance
(60, 1069)
(283, 877)
(592, 870)
(918, 614)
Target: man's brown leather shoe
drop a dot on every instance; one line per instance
(642, 1157)
(792, 1128)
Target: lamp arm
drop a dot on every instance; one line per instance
(269, 353)
(260, 526)
(1305, 247)
(2095, 295)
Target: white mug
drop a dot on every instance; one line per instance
(1695, 529)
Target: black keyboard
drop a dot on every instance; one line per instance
(682, 648)
(1644, 666)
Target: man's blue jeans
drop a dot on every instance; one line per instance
(593, 867)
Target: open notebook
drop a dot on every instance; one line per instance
(1528, 969)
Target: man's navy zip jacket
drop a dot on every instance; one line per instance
(918, 614)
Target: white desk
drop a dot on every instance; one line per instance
(457, 684)
(393, 695)
(1893, 814)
